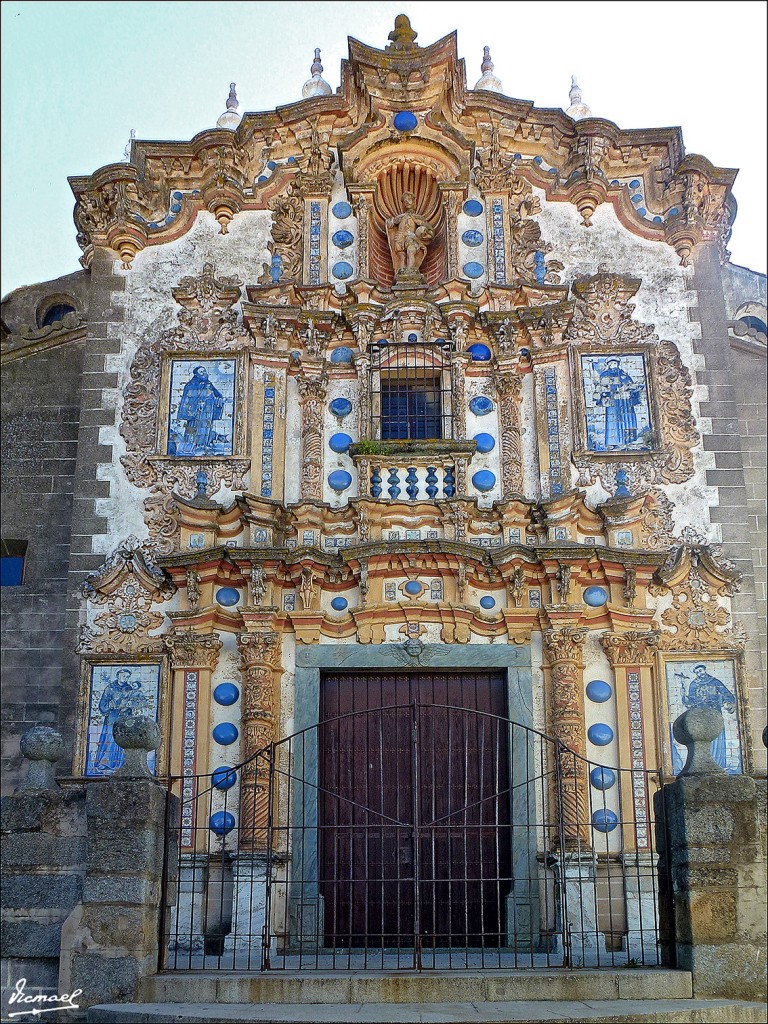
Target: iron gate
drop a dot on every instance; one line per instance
(414, 836)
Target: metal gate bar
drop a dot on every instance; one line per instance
(414, 836)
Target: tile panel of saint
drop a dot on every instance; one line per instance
(117, 690)
(616, 402)
(201, 407)
(705, 684)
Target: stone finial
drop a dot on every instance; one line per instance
(137, 735)
(230, 119)
(489, 82)
(578, 108)
(42, 747)
(402, 35)
(127, 150)
(696, 729)
(316, 85)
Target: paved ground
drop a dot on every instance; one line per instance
(623, 1011)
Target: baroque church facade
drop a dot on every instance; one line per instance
(409, 395)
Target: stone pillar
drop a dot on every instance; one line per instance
(42, 829)
(458, 397)
(260, 656)
(312, 397)
(111, 939)
(563, 650)
(193, 659)
(509, 388)
(711, 835)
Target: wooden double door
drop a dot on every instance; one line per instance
(414, 830)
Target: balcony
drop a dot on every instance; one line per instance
(412, 470)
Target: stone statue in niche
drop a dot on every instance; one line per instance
(408, 234)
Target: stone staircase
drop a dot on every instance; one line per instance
(433, 997)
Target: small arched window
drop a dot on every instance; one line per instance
(56, 313)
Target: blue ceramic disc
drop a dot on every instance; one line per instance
(405, 121)
(342, 239)
(225, 733)
(221, 823)
(339, 480)
(340, 443)
(473, 208)
(480, 353)
(600, 734)
(595, 597)
(342, 354)
(224, 777)
(599, 691)
(604, 820)
(227, 596)
(484, 480)
(413, 587)
(480, 405)
(342, 270)
(341, 210)
(341, 407)
(472, 238)
(485, 442)
(226, 694)
(339, 604)
(602, 778)
(474, 270)
(487, 602)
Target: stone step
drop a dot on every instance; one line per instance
(426, 987)
(607, 1011)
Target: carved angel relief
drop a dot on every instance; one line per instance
(125, 588)
(207, 324)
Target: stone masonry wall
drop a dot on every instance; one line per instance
(41, 414)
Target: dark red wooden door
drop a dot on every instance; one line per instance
(414, 831)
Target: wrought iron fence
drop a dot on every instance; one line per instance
(415, 836)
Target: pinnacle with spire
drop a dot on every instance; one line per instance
(230, 118)
(578, 108)
(489, 82)
(127, 150)
(316, 85)
(402, 36)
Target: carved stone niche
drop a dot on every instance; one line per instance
(120, 596)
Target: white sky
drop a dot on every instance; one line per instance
(77, 76)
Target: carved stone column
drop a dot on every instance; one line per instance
(509, 387)
(563, 649)
(193, 658)
(260, 657)
(363, 367)
(312, 397)
(361, 204)
(458, 397)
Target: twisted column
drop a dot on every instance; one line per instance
(563, 649)
(259, 656)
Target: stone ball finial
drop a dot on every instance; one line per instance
(316, 85)
(42, 747)
(696, 729)
(489, 82)
(137, 735)
(230, 119)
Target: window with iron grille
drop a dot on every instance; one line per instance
(411, 390)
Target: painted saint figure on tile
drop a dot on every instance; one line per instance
(706, 685)
(616, 402)
(201, 411)
(117, 691)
